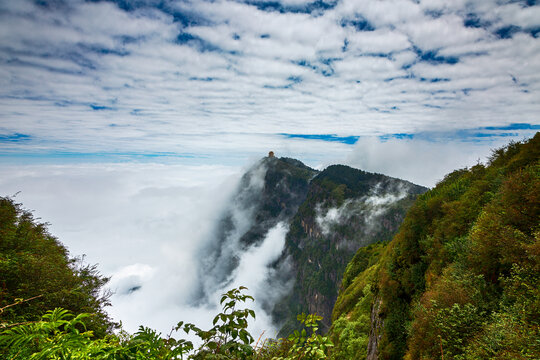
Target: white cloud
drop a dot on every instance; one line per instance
(381, 13)
(422, 162)
(142, 223)
(433, 34)
(368, 68)
(254, 272)
(130, 279)
(515, 14)
(379, 41)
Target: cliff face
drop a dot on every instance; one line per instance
(375, 331)
(344, 209)
(329, 216)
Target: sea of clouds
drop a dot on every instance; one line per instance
(145, 223)
(146, 226)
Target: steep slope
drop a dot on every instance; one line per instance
(327, 217)
(345, 209)
(461, 279)
(269, 193)
(36, 267)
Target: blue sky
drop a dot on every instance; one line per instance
(184, 79)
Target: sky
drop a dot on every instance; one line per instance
(127, 124)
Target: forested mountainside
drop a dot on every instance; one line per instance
(461, 279)
(329, 214)
(344, 209)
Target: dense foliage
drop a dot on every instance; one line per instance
(351, 322)
(460, 280)
(320, 256)
(37, 274)
(62, 335)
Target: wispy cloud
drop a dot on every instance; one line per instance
(164, 70)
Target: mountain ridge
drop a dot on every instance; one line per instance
(315, 205)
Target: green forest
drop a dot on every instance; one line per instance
(459, 280)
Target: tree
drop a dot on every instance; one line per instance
(37, 272)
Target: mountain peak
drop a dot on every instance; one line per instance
(326, 216)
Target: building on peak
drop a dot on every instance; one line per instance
(271, 154)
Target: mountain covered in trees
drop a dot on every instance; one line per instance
(329, 214)
(461, 278)
(451, 273)
(344, 210)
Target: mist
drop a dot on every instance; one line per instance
(254, 271)
(364, 210)
(227, 261)
(219, 256)
(151, 228)
(422, 162)
(141, 223)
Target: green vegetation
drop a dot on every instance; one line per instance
(460, 280)
(38, 275)
(351, 321)
(61, 335)
(314, 347)
(320, 257)
(229, 338)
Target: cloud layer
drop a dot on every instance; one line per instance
(143, 224)
(183, 76)
(149, 228)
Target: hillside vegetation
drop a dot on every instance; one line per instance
(369, 208)
(35, 265)
(461, 279)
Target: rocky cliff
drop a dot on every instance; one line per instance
(329, 216)
(344, 209)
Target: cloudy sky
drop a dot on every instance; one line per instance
(123, 123)
(207, 79)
